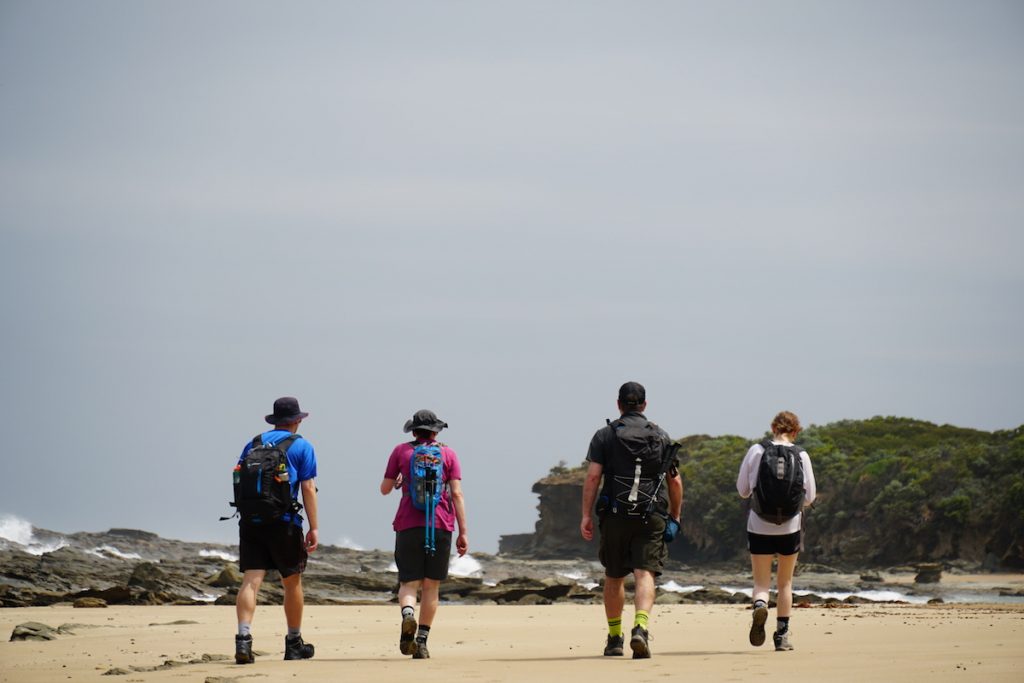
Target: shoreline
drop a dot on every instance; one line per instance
(492, 643)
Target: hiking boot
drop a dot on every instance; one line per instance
(638, 641)
(781, 641)
(421, 650)
(613, 648)
(407, 641)
(243, 650)
(757, 626)
(296, 648)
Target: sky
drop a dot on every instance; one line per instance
(497, 211)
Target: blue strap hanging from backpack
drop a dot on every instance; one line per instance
(426, 477)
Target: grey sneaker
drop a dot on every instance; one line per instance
(781, 641)
(613, 648)
(757, 626)
(421, 650)
(243, 650)
(638, 642)
(296, 648)
(407, 641)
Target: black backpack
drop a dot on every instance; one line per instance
(263, 490)
(779, 493)
(635, 493)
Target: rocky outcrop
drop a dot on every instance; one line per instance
(557, 532)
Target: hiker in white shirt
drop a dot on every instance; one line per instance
(778, 530)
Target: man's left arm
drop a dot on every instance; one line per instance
(675, 496)
(308, 488)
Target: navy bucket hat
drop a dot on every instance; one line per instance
(286, 411)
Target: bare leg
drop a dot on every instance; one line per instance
(245, 603)
(429, 600)
(784, 579)
(293, 600)
(762, 567)
(407, 593)
(644, 598)
(614, 597)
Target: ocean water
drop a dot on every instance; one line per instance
(18, 532)
(108, 550)
(219, 554)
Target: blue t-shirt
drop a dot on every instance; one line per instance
(301, 464)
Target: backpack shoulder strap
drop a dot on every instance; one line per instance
(257, 441)
(287, 442)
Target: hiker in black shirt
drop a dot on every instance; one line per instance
(638, 512)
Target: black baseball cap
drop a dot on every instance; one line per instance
(632, 394)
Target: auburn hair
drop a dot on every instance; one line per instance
(786, 423)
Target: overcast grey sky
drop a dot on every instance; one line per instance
(499, 211)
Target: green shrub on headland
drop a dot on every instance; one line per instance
(891, 491)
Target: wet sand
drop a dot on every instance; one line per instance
(534, 643)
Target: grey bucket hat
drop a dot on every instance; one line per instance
(425, 419)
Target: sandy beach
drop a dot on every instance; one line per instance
(509, 643)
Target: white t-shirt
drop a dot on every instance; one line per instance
(747, 480)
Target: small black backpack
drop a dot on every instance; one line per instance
(636, 492)
(263, 490)
(779, 493)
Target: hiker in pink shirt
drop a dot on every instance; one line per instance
(422, 553)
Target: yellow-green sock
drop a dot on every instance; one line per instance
(615, 626)
(641, 619)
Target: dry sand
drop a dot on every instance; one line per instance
(536, 643)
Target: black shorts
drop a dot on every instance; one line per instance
(278, 545)
(413, 560)
(762, 544)
(632, 543)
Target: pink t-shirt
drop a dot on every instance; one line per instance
(408, 517)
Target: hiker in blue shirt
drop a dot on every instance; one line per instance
(273, 469)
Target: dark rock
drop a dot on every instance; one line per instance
(115, 595)
(33, 630)
(147, 575)
(669, 598)
(90, 602)
(116, 671)
(227, 577)
(928, 573)
(179, 622)
(134, 534)
(871, 577)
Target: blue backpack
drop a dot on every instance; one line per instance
(426, 485)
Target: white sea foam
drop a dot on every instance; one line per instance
(574, 575)
(877, 596)
(219, 554)
(19, 532)
(205, 597)
(347, 542)
(393, 568)
(673, 587)
(106, 550)
(467, 565)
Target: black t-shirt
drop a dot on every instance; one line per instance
(606, 450)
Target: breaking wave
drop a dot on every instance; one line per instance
(19, 532)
